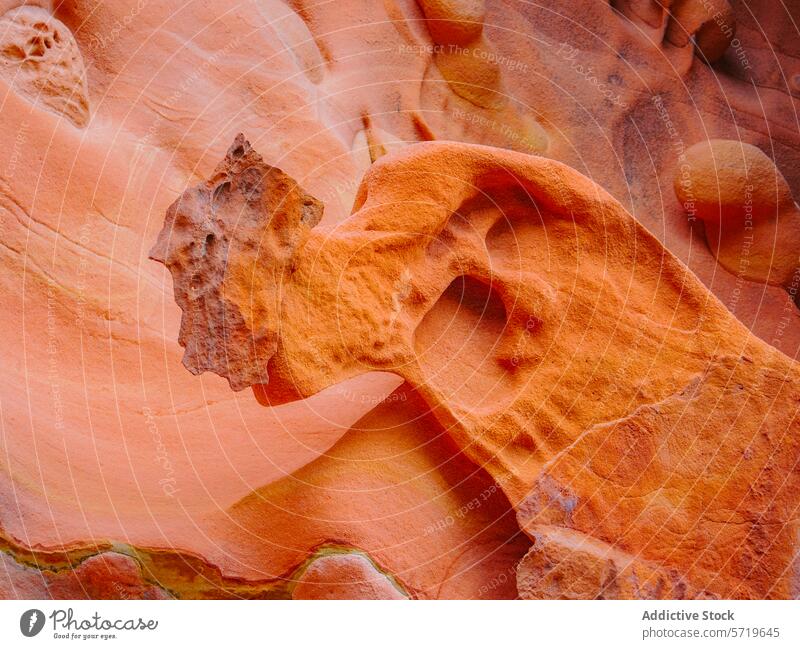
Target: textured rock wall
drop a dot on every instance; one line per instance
(493, 402)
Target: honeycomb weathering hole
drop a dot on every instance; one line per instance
(458, 340)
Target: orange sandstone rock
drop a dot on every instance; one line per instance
(564, 564)
(108, 442)
(472, 67)
(752, 223)
(710, 24)
(473, 74)
(441, 528)
(454, 22)
(523, 287)
(103, 576)
(40, 59)
(346, 575)
(225, 331)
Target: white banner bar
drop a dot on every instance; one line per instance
(372, 625)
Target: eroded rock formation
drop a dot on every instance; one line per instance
(347, 575)
(215, 246)
(124, 475)
(527, 287)
(751, 221)
(40, 59)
